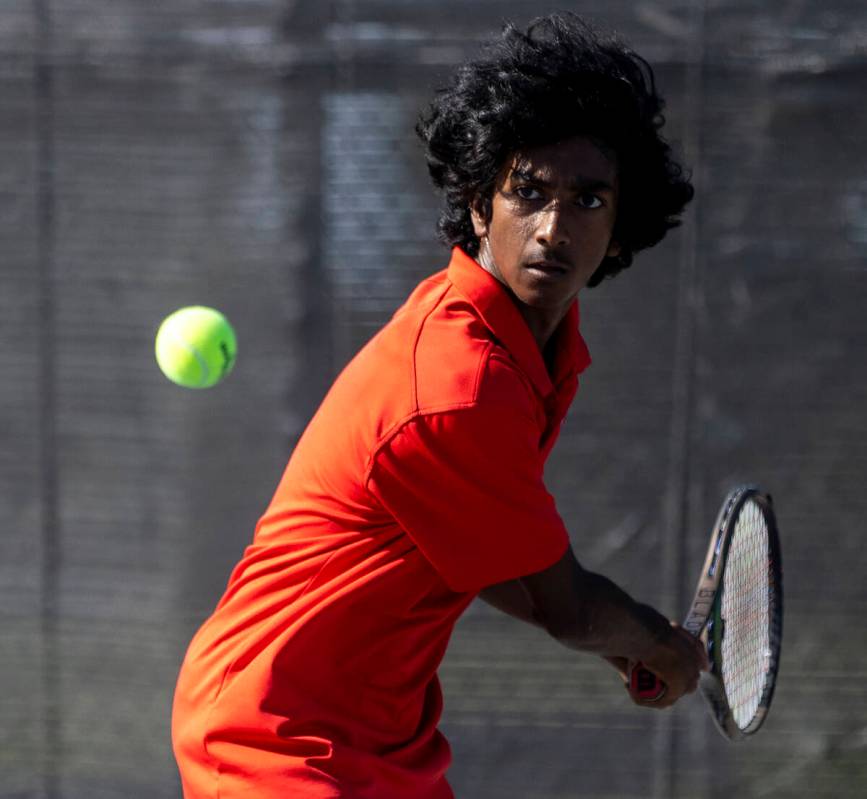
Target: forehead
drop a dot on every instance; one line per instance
(578, 158)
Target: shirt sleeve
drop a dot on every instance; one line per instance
(466, 484)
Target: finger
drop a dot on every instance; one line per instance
(678, 686)
(702, 653)
(675, 694)
(619, 663)
(697, 645)
(645, 688)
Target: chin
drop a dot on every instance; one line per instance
(554, 294)
(545, 300)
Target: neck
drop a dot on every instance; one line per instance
(542, 323)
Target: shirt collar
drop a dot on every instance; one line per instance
(497, 310)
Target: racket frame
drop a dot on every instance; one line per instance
(704, 618)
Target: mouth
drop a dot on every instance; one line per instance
(547, 268)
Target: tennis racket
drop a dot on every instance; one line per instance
(738, 614)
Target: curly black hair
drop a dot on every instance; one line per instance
(559, 79)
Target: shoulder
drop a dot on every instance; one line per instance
(458, 362)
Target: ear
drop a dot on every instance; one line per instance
(614, 249)
(479, 213)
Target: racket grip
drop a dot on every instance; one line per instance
(645, 684)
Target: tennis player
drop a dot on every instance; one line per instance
(418, 485)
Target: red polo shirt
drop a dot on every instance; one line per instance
(417, 483)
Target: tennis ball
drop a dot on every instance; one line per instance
(196, 347)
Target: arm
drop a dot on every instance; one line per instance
(512, 599)
(588, 612)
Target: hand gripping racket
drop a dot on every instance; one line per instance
(738, 614)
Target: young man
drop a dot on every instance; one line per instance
(418, 485)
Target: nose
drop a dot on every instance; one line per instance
(551, 231)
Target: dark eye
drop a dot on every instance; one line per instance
(590, 201)
(527, 193)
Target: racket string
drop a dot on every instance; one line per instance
(745, 608)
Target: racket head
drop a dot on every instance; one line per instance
(745, 625)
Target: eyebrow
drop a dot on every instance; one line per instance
(581, 182)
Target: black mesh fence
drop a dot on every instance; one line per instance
(259, 156)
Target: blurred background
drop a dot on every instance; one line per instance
(259, 156)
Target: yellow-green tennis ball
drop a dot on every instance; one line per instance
(196, 347)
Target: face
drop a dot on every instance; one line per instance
(550, 223)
